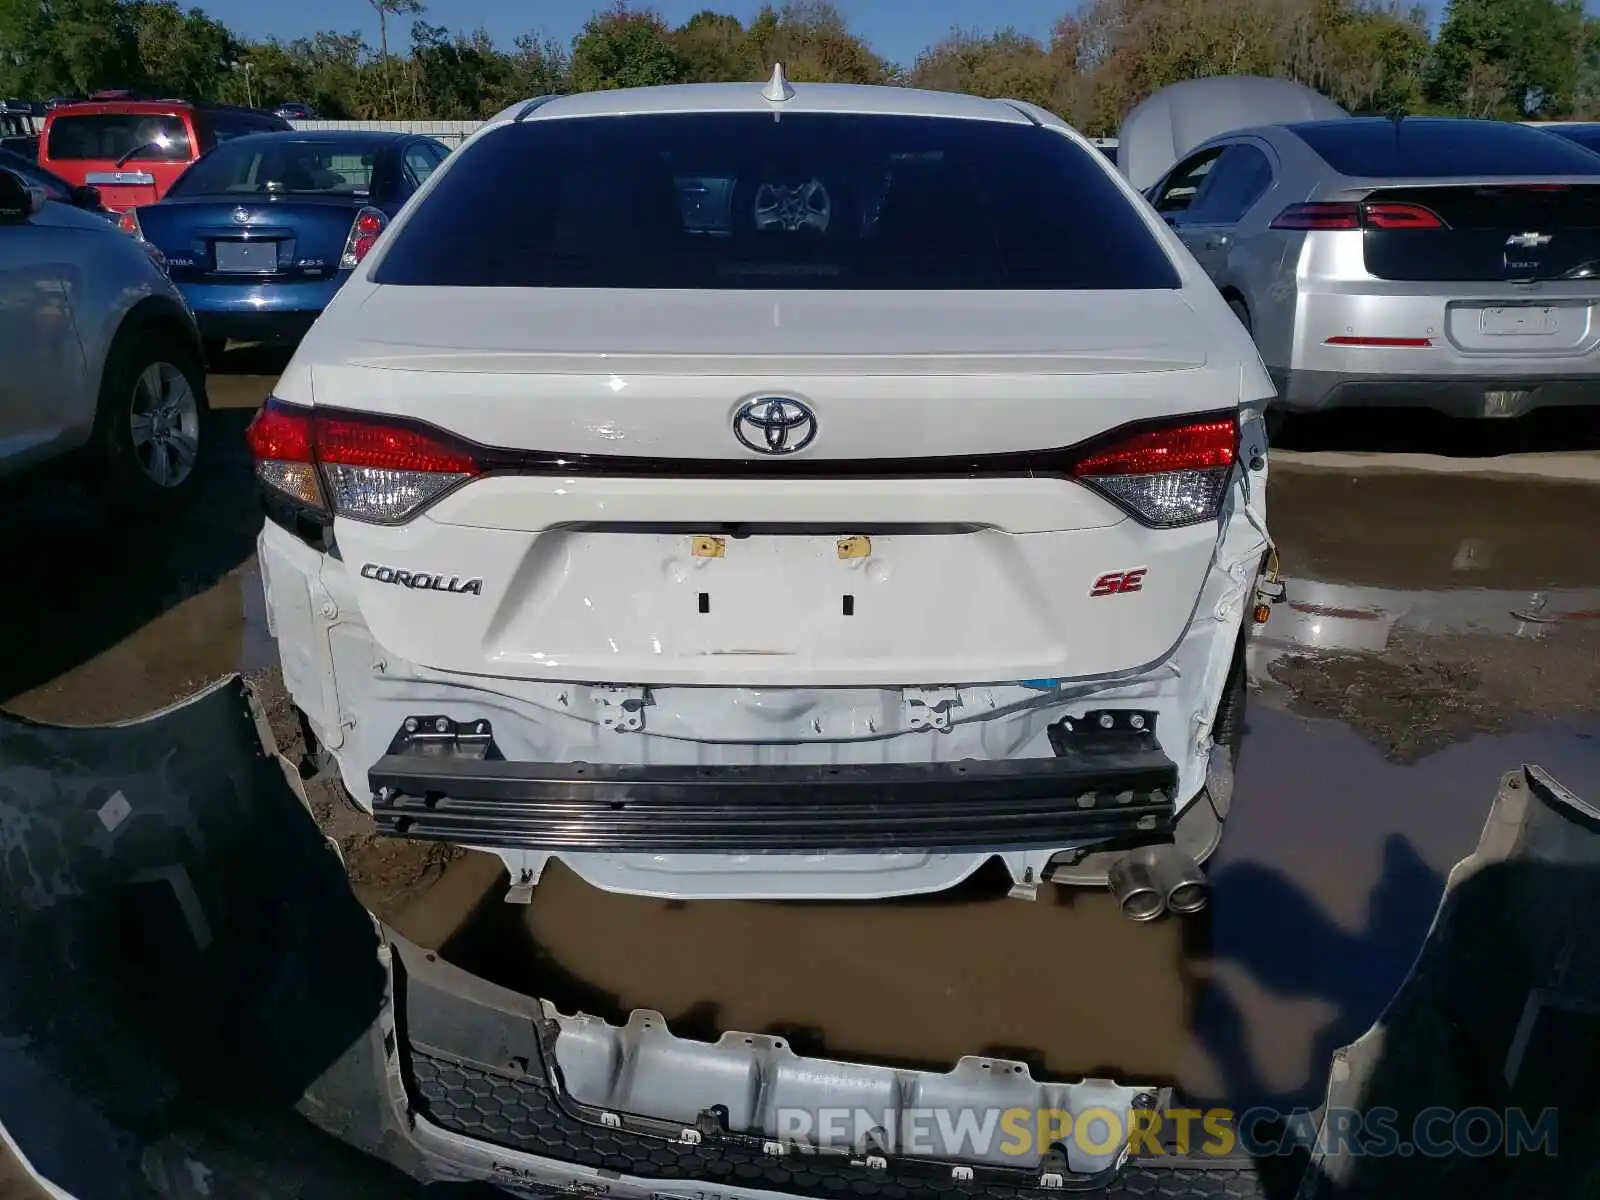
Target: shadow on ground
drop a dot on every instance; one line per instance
(95, 576)
(1418, 431)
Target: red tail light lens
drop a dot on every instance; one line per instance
(1399, 216)
(128, 222)
(1168, 476)
(356, 467)
(364, 231)
(1350, 215)
(1318, 216)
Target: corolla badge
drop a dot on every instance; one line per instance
(774, 425)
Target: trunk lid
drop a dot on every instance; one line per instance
(236, 239)
(1489, 231)
(688, 557)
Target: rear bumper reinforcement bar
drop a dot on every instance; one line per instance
(448, 783)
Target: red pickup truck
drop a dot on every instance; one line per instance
(133, 150)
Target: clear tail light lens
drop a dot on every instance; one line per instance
(1168, 476)
(363, 468)
(364, 231)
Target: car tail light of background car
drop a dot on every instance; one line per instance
(128, 222)
(385, 472)
(364, 233)
(354, 466)
(1352, 215)
(1169, 476)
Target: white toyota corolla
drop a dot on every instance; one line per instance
(773, 490)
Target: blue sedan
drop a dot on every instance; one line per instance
(261, 232)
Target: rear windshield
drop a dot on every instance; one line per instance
(1587, 136)
(281, 167)
(743, 200)
(131, 137)
(1442, 149)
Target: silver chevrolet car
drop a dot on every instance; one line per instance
(1448, 263)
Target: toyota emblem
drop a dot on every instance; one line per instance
(774, 425)
(241, 216)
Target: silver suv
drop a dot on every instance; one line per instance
(103, 363)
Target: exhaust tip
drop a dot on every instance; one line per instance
(1136, 889)
(1188, 898)
(1181, 881)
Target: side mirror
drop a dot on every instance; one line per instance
(87, 196)
(19, 199)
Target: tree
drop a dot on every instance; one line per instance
(1005, 64)
(75, 46)
(813, 43)
(180, 53)
(623, 48)
(1510, 58)
(386, 9)
(714, 47)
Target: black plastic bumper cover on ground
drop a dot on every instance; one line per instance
(1110, 788)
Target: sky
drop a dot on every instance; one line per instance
(897, 29)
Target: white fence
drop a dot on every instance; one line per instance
(453, 133)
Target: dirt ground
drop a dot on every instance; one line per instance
(1423, 694)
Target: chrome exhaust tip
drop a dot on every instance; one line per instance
(1183, 885)
(1137, 890)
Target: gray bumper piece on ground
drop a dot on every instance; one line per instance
(1498, 1024)
(192, 1001)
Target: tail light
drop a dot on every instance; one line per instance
(1351, 215)
(1400, 216)
(1169, 476)
(128, 222)
(364, 231)
(347, 465)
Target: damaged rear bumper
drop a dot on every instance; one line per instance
(188, 834)
(1109, 780)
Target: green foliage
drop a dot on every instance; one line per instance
(623, 48)
(1502, 58)
(1511, 58)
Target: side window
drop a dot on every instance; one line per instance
(419, 164)
(1183, 185)
(439, 151)
(1240, 178)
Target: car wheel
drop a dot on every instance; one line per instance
(152, 421)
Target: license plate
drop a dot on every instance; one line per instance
(247, 258)
(1521, 320)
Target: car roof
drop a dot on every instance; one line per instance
(852, 98)
(336, 137)
(155, 108)
(1376, 122)
(91, 108)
